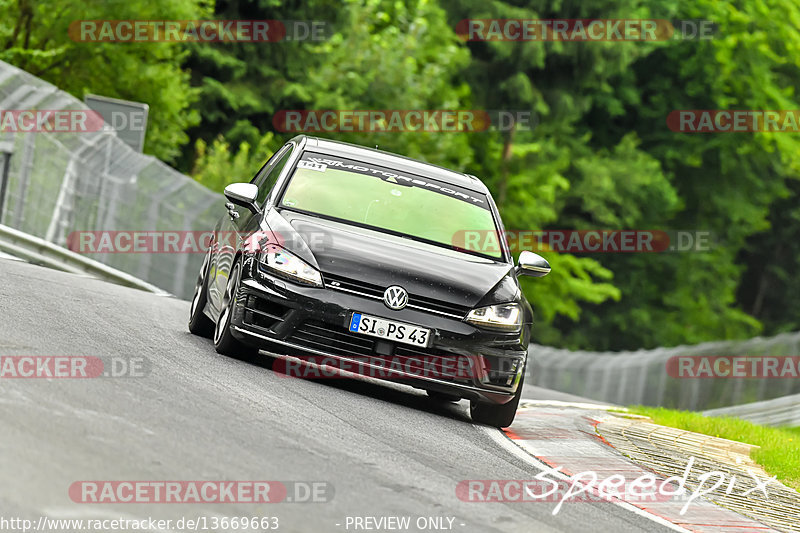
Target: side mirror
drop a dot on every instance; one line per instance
(531, 264)
(243, 194)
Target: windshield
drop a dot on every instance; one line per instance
(416, 207)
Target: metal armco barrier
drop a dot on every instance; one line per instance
(641, 378)
(40, 252)
(779, 412)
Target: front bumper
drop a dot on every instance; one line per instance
(299, 321)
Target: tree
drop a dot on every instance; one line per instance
(240, 86)
(34, 35)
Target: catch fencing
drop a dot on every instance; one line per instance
(641, 377)
(85, 181)
(783, 411)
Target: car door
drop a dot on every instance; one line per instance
(238, 223)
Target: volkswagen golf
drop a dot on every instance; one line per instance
(344, 256)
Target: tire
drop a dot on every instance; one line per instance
(199, 323)
(443, 397)
(224, 342)
(499, 416)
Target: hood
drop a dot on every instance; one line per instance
(375, 258)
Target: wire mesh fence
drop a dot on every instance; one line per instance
(780, 412)
(653, 377)
(59, 183)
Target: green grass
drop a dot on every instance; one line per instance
(780, 447)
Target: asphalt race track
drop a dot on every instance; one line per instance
(196, 415)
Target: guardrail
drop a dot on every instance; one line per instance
(40, 252)
(779, 412)
(641, 377)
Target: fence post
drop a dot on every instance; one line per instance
(6, 149)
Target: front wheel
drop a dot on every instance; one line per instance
(224, 342)
(199, 323)
(499, 416)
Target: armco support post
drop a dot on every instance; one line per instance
(6, 151)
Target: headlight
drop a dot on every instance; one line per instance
(501, 316)
(287, 265)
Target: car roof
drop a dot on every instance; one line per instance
(394, 161)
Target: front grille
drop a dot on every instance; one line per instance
(376, 291)
(338, 341)
(438, 306)
(339, 282)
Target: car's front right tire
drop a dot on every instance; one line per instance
(224, 342)
(499, 416)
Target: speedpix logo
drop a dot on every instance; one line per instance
(551, 485)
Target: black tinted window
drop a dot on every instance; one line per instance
(266, 177)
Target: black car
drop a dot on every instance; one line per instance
(349, 256)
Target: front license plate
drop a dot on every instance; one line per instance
(389, 329)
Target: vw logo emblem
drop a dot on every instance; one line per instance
(395, 297)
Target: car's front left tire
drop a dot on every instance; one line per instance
(224, 342)
(199, 323)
